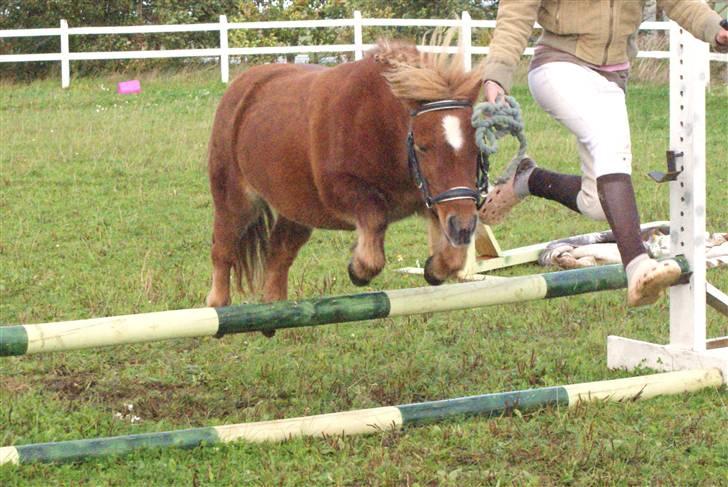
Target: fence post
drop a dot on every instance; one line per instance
(358, 37)
(65, 61)
(466, 39)
(224, 53)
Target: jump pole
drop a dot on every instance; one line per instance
(689, 347)
(365, 421)
(100, 332)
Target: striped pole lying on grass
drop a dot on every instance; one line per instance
(372, 420)
(149, 327)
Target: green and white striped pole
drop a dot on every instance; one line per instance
(164, 325)
(372, 420)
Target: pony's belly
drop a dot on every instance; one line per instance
(312, 213)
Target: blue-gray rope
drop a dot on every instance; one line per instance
(492, 121)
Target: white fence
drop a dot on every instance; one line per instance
(465, 24)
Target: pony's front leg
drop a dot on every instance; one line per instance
(357, 202)
(445, 260)
(367, 258)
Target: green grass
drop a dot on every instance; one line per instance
(106, 211)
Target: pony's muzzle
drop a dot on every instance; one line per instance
(460, 230)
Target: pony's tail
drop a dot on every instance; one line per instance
(251, 251)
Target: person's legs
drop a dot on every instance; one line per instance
(594, 110)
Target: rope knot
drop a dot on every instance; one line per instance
(492, 121)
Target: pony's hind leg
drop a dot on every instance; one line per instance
(445, 259)
(240, 242)
(240, 234)
(287, 238)
(227, 228)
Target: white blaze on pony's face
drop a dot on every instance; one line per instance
(453, 132)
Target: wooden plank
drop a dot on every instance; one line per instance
(716, 299)
(626, 353)
(509, 258)
(715, 343)
(486, 245)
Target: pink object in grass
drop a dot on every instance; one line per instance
(129, 87)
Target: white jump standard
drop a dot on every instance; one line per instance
(689, 346)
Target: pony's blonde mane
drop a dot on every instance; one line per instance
(426, 76)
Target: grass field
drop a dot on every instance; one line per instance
(106, 211)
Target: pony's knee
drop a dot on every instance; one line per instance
(590, 206)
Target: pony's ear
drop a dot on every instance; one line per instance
(476, 91)
(410, 104)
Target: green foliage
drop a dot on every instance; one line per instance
(257, 11)
(422, 9)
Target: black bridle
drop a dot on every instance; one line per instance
(458, 192)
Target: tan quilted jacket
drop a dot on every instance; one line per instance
(596, 31)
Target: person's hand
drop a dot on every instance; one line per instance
(493, 92)
(722, 38)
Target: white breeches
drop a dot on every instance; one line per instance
(595, 111)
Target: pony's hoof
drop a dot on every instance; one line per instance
(429, 277)
(356, 280)
(214, 301)
(268, 333)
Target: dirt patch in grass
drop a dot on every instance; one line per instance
(14, 385)
(147, 400)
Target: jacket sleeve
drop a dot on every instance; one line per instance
(514, 25)
(697, 18)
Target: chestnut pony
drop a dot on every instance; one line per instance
(354, 147)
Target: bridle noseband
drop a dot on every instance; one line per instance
(458, 192)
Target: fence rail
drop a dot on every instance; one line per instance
(465, 23)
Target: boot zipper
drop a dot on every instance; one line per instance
(611, 32)
(558, 15)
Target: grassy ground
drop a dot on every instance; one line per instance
(106, 211)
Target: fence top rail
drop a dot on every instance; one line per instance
(284, 24)
(411, 22)
(144, 29)
(54, 31)
(292, 24)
